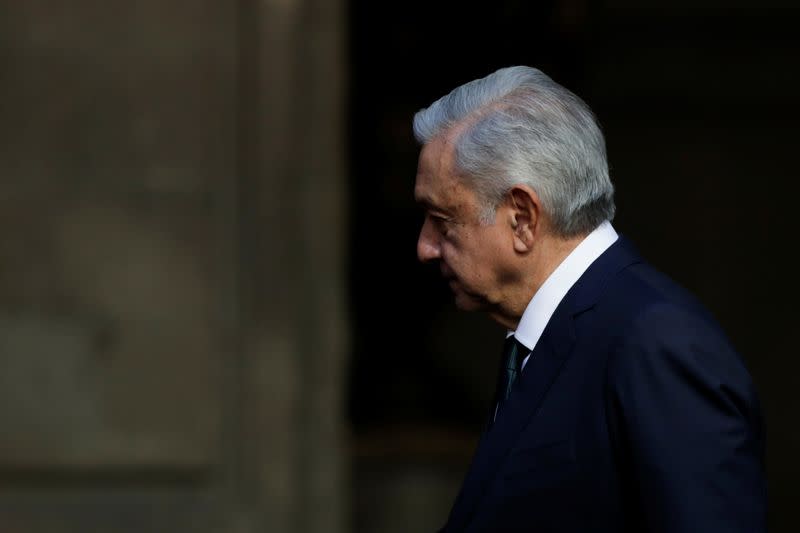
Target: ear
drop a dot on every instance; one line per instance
(525, 216)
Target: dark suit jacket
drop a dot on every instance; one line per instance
(633, 414)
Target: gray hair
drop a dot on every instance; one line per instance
(521, 127)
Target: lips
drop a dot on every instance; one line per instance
(446, 272)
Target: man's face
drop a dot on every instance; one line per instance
(471, 255)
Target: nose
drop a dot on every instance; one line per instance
(428, 246)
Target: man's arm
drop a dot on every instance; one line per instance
(687, 428)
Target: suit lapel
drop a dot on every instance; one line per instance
(541, 370)
(552, 350)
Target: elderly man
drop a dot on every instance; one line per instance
(621, 405)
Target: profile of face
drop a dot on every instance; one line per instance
(471, 254)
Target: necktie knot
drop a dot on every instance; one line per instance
(512, 354)
(511, 365)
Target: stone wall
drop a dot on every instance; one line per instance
(171, 252)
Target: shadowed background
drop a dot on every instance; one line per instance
(212, 318)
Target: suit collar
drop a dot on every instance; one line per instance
(585, 293)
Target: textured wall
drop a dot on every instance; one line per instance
(166, 258)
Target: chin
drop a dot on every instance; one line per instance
(465, 302)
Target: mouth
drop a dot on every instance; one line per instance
(450, 278)
(455, 286)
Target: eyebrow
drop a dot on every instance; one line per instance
(424, 201)
(428, 204)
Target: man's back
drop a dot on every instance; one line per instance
(633, 414)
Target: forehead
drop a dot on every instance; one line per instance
(436, 179)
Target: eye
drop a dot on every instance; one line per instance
(437, 219)
(441, 223)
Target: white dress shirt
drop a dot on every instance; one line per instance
(538, 312)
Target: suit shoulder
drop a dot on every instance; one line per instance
(641, 293)
(653, 316)
(667, 343)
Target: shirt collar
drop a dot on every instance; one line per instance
(544, 302)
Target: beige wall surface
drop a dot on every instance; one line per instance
(157, 293)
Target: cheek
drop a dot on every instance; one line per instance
(464, 251)
(466, 262)
(447, 252)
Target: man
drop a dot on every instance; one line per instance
(622, 406)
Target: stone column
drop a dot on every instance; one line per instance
(172, 325)
(293, 243)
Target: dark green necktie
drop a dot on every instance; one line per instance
(510, 368)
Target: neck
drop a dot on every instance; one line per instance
(536, 267)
